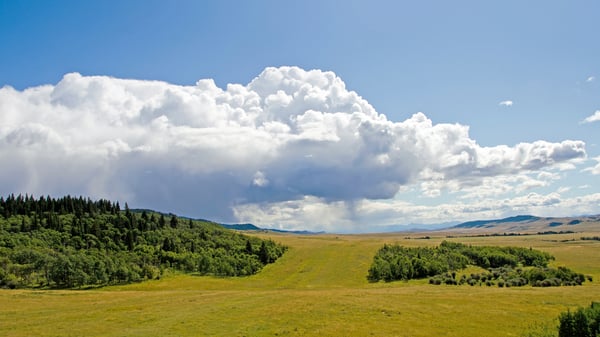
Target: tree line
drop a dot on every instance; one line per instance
(506, 266)
(74, 242)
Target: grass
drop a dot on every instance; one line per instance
(318, 288)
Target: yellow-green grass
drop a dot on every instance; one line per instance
(318, 288)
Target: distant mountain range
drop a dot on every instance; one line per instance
(251, 227)
(513, 224)
(530, 223)
(487, 223)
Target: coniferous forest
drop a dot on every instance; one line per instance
(78, 242)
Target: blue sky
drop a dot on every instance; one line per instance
(453, 61)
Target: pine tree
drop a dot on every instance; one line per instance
(23, 225)
(249, 249)
(127, 211)
(263, 253)
(130, 240)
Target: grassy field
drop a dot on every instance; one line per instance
(318, 288)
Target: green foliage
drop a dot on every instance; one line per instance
(75, 242)
(508, 276)
(394, 262)
(504, 264)
(584, 322)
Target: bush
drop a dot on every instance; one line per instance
(584, 322)
(435, 280)
(516, 266)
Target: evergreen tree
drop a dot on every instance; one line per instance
(174, 221)
(127, 211)
(72, 242)
(24, 227)
(263, 253)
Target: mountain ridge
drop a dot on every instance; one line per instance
(252, 227)
(482, 223)
(529, 224)
(518, 223)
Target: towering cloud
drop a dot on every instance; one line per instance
(288, 136)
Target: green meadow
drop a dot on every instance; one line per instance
(318, 288)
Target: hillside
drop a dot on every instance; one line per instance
(528, 224)
(491, 223)
(520, 224)
(75, 242)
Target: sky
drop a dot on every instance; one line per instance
(354, 116)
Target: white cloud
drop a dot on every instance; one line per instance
(506, 103)
(590, 79)
(317, 214)
(593, 118)
(292, 138)
(595, 170)
(260, 180)
(307, 213)
(563, 189)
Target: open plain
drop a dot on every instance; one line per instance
(318, 288)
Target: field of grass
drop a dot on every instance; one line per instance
(318, 288)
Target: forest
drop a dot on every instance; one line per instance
(505, 266)
(74, 242)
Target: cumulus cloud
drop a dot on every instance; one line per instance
(590, 79)
(506, 103)
(292, 144)
(340, 216)
(595, 170)
(593, 118)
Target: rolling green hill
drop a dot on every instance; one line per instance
(76, 242)
(319, 287)
(527, 224)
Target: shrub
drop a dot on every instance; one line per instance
(584, 322)
(514, 265)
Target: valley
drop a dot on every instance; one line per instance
(317, 288)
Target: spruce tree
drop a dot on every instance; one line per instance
(263, 253)
(174, 221)
(249, 249)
